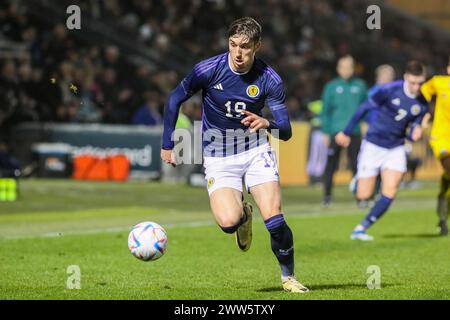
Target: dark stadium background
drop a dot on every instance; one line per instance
(72, 92)
(130, 52)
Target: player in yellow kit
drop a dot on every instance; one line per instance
(439, 86)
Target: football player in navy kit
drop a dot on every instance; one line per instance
(397, 113)
(235, 86)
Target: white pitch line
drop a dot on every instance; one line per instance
(56, 234)
(192, 224)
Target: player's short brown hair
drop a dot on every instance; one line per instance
(415, 68)
(246, 26)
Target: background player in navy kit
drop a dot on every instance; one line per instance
(397, 112)
(384, 73)
(235, 87)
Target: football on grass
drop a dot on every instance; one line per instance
(147, 241)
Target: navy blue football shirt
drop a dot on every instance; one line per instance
(226, 94)
(392, 112)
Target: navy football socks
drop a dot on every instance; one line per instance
(282, 243)
(380, 207)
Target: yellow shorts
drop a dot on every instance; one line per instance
(440, 146)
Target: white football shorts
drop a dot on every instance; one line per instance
(373, 159)
(257, 165)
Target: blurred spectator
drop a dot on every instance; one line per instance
(383, 74)
(9, 90)
(148, 113)
(340, 99)
(302, 40)
(57, 45)
(317, 150)
(293, 106)
(112, 59)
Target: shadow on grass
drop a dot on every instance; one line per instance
(320, 287)
(416, 235)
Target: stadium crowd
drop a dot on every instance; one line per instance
(64, 79)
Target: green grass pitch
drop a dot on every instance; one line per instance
(58, 223)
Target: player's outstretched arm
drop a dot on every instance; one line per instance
(172, 109)
(276, 103)
(426, 121)
(358, 116)
(281, 122)
(168, 156)
(416, 130)
(176, 98)
(416, 133)
(342, 139)
(192, 83)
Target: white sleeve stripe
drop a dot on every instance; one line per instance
(184, 88)
(277, 107)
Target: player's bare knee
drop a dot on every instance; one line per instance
(389, 191)
(270, 210)
(363, 195)
(229, 224)
(229, 228)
